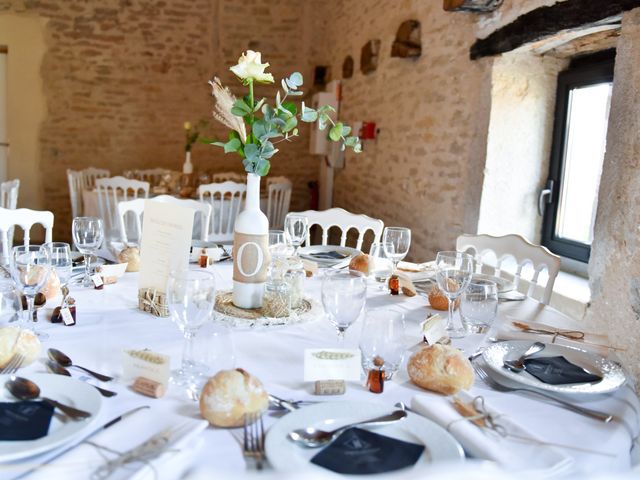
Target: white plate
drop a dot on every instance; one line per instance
(305, 252)
(286, 456)
(66, 390)
(613, 376)
(95, 261)
(502, 284)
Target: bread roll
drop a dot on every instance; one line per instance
(27, 344)
(229, 395)
(51, 289)
(441, 368)
(360, 264)
(130, 255)
(439, 301)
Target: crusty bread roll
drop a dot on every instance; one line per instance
(51, 289)
(130, 255)
(406, 285)
(360, 264)
(441, 368)
(15, 340)
(439, 301)
(229, 395)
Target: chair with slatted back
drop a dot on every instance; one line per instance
(111, 191)
(345, 221)
(91, 174)
(9, 199)
(25, 219)
(226, 200)
(75, 179)
(278, 201)
(151, 175)
(492, 254)
(228, 177)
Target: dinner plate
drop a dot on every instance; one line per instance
(308, 254)
(286, 456)
(94, 262)
(66, 390)
(503, 285)
(613, 376)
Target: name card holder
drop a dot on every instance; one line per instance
(153, 302)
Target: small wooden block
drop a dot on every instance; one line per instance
(330, 387)
(148, 387)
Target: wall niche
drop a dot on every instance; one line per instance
(369, 56)
(347, 67)
(408, 42)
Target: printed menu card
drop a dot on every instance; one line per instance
(165, 245)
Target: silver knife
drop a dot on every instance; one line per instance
(110, 423)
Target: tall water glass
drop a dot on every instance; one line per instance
(10, 304)
(479, 305)
(191, 296)
(61, 261)
(400, 238)
(381, 264)
(343, 298)
(453, 274)
(382, 341)
(88, 234)
(30, 268)
(297, 228)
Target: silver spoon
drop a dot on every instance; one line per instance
(24, 389)
(65, 361)
(518, 365)
(60, 370)
(311, 438)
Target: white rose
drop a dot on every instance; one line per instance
(249, 67)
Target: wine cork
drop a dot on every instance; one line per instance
(330, 387)
(148, 387)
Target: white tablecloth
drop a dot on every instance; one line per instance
(109, 321)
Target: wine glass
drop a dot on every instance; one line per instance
(30, 268)
(343, 298)
(382, 341)
(191, 295)
(382, 265)
(278, 244)
(453, 274)
(297, 228)
(10, 303)
(61, 261)
(479, 305)
(400, 238)
(88, 234)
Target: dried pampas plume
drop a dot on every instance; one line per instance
(222, 109)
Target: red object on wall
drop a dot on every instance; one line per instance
(368, 131)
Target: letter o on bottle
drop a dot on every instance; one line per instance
(259, 260)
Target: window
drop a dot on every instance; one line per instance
(570, 198)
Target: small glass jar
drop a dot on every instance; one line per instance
(295, 278)
(277, 299)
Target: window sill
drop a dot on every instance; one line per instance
(571, 294)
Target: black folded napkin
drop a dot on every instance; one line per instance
(333, 255)
(358, 452)
(28, 420)
(558, 371)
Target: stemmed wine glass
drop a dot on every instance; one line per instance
(61, 261)
(30, 268)
(382, 341)
(343, 298)
(400, 238)
(297, 228)
(453, 274)
(191, 295)
(88, 234)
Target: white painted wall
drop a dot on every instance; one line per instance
(3, 117)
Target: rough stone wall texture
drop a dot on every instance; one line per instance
(121, 77)
(614, 269)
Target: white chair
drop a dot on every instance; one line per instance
(228, 177)
(345, 221)
(76, 187)
(91, 174)
(226, 200)
(25, 219)
(491, 253)
(136, 206)
(9, 194)
(152, 175)
(278, 201)
(111, 191)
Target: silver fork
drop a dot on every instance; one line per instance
(493, 384)
(254, 438)
(15, 362)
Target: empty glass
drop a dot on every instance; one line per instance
(88, 234)
(453, 273)
(213, 350)
(381, 265)
(191, 295)
(278, 246)
(30, 268)
(400, 238)
(343, 298)
(382, 342)
(297, 228)
(10, 304)
(61, 261)
(479, 305)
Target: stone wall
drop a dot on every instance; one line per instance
(121, 76)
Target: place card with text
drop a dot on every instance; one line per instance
(331, 364)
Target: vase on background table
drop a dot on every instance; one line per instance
(186, 179)
(250, 249)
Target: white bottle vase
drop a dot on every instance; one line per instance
(250, 249)
(187, 167)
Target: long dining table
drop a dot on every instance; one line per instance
(109, 321)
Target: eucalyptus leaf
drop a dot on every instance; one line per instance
(284, 86)
(251, 152)
(357, 147)
(263, 166)
(259, 105)
(351, 141)
(346, 130)
(336, 132)
(278, 101)
(290, 107)
(290, 124)
(295, 79)
(232, 145)
(218, 144)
